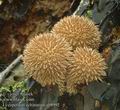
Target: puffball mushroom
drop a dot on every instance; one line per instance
(46, 59)
(87, 65)
(79, 31)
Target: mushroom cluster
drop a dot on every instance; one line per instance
(67, 56)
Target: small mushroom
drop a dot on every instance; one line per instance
(79, 31)
(46, 58)
(87, 65)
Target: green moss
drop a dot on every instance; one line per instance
(13, 87)
(89, 14)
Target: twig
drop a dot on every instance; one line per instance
(78, 8)
(4, 73)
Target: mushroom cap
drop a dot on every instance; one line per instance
(87, 65)
(46, 59)
(79, 31)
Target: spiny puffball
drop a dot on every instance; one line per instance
(46, 58)
(79, 31)
(87, 65)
